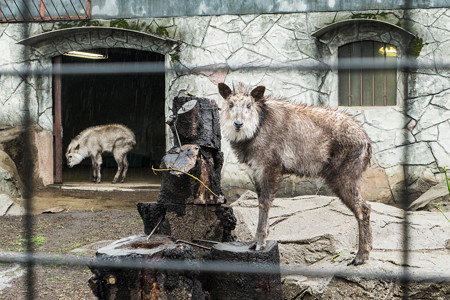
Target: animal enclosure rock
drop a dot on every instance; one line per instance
(10, 182)
(428, 201)
(12, 141)
(311, 230)
(9, 207)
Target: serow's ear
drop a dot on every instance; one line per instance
(224, 90)
(77, 147)
(258, 92)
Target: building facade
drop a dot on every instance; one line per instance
(405, 111)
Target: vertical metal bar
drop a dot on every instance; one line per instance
(28, 167)
(373, 87)
(88, 9)
(384, 77)
(373, 74)
(42, 9)
(361, 82)
(350, 79)
(405, 197)
(28, 220)
(46, 9)
(57, 121)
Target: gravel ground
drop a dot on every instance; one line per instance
(59, 234)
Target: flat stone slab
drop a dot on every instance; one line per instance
(428, 200)
(309, 218)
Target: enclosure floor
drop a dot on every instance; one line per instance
(83, 174)
(78, 192)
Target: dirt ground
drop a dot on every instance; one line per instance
(74, 218)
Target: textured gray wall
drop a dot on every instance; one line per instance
(105, 9)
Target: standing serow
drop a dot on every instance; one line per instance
(275, 137)
(93, 141)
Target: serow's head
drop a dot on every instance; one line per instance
(73, 157)
(241, 113)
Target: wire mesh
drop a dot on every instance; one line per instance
(30, 259)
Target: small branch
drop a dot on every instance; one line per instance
(193, 244)
(178, 170)
(154, 229)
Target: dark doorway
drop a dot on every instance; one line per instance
(134, 100)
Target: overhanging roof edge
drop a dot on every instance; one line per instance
(319, 33)
(36, 39)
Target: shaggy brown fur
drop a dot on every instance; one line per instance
(94, 141)
(275, 137)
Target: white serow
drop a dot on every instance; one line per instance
(93, 141)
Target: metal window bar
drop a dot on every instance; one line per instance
(364, 83)
(30, 258)
(48, 10)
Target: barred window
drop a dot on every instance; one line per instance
(366, 87)
(41, 10)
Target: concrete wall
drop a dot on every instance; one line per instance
(105, 9)
(421, 130)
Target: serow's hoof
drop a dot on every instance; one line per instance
(356, 262)
(256, 247)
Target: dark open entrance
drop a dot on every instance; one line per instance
(136, 101)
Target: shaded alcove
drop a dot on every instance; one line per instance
(135, 100)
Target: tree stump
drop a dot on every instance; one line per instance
(189, 222)
(190, 199)
(133, 284)
(244, 285)
(189, 207)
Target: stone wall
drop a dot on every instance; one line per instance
(415, 133)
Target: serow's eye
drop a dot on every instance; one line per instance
(231, 104)
(249, 105)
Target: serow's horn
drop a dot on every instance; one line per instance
(247, 90)
(234, 90)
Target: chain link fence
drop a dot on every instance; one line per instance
(30, 258)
